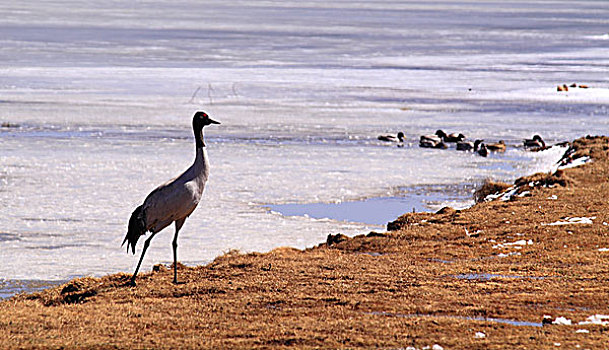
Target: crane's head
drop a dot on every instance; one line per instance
(201, 119)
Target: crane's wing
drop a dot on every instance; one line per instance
(169, 202)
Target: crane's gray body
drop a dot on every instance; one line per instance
(177, 198)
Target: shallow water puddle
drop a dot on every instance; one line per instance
(443, 261)
(468, 318)
(8, 288)
(372, 211)
(489, 276)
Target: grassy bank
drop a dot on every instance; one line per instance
(477, 278)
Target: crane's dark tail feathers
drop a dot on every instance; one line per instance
(137, 228)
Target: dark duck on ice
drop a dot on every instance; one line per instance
(454, 137)
(431, 142)
(468, 145)
(535, 144)
(536, 141)
(496, 147)
(392, 138)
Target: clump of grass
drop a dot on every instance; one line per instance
(489, 187)
(545, 179)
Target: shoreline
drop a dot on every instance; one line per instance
(482, 277)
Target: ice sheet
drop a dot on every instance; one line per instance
(103, 106)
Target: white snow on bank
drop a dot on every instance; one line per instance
(504, 196)
(576, 162)
(517, 244)
(502, 255)
(597, 319)
(562, 321)
(572, 221)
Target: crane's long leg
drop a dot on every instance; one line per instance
(146, 244)
(179, 224)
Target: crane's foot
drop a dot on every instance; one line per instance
(131, 282)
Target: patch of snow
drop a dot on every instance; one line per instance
(554, 197)
(502, 255)
(480, 335)
(508, 194)
(524, 193)
(603, 249)
(597, 319)
(563, 321)
(575, 163)
(571, 221)
(517, 244)
(494, 196)
(582, 331)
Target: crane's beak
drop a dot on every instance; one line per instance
(211, 121)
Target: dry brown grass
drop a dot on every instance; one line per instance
(381, 290)
(489, 187)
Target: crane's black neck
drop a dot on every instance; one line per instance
(198, 130)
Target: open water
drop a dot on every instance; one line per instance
(96, 100)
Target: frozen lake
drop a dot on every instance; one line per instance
(97, 99)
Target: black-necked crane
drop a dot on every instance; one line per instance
(173, 201)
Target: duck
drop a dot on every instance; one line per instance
(454, 137)
(535, 142)
(483, 151)
(468, 145)
(496, 147)
(173, 201)
(430, 143)
(432, 138)
(392, 138)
